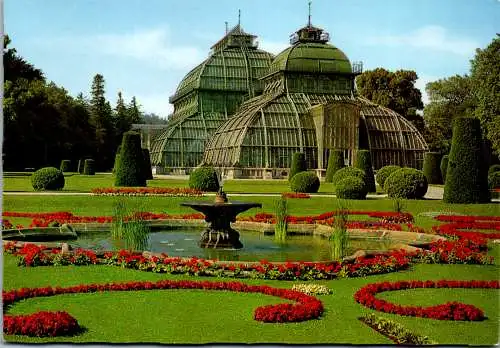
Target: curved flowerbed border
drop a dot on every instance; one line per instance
(44, 323)
(447, 311)
(458, 223)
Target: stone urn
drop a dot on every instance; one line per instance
(221, 197)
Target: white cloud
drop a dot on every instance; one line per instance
(420, 84)
(431, 37)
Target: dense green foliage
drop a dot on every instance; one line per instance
(117, 158)
(65, 166)
(351, 188)
(443, 167)
(335, 162)
(81, 164)
(494, 180)
(347, 172)
(384, 172)
(89, 167)
(493, 169)
(306, 182)
(298, 165)
(48, 178)
(408, 183)
(364, 162)
(148, 174)
(466, 176)
(130, 168)
(432, 169)
(204, 179)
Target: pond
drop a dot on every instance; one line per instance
(257, 246)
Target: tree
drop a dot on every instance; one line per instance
(394, 90)
(449, 98)
(15, 67)
(134, 112)
(122, 122)
(152, 118)
(130, 167)
(485, 76)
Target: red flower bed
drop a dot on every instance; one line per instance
(447, 311)
(41, 324)
(140, 191)
(457, 225)
(306, 308)
(295, 195)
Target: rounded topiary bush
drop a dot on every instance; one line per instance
(89, 167)
(335, 162)
(351, 188)
(306, 182)
(444, 167)
(384, 172)
(494, 180)
(130, 167)
(298, 164)
(406, 183)
(48, 178)
(65, 166)
(347, 172)
(364, 162)
(493, 169)
(148, 174)
(432, 170)
(204, 179)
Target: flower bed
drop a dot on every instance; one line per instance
(457, 225)
(147, 191)
(447, 311)
(61, 323)
(295, 195)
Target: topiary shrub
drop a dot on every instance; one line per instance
(335, 162)
(494, 180)
(48, 178)
(444, 167)
(298, 165)
(148, 174)
(65, 166)
(351, 188)
(406, 183)
(306, 182)
(80, 166)
(89, 167)
(432, 170)
(117, 159)
(347, 172)
(364, 162)
(467, 174)
(384, 172)
(493, 169)
(204, 179)
(130, 167)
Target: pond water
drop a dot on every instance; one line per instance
(256, 246)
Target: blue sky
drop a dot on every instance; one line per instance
(145, 47)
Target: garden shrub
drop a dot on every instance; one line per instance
(444, 166)
(306, 182)
(335, 162)
(364, 162)
(89, 167)
(48, 178)
(351, 188)
(432, 170)
(80, 166)
(408, 183)
(347, 172)
(494, 168)
(65, 166)
(494, 180)
(117, 159)
(384, 172)
(130, 167)
(204, 179)
(467, 174)
(148, 174)
(298, 165)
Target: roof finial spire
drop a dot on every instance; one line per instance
(309, 19)
(239, 17)
(227, 29)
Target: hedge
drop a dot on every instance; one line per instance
(432, 170)
(65, 166)
(48, 178)
(204, 179)
(89, 167)
(494, 180)
(408, 183)
(467, 174)
(81, 163)
(444, 166)
(335, 162)
(364, 162)
(347, 172)
(384, 172)
(306, 182)
(351, 188)
(148, 174)
(298, 164)
(493, 169)
(130, 168)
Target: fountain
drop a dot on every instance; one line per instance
(220, 214)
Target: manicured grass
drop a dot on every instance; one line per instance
(194, 316)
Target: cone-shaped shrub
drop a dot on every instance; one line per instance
(444, 166)
(408, 183)
(117, 159)
(89, 167)
(335, 162)
(432, 170)
(467, 174)
(306, 182)
(81, 164)
(130, 168)
(204, 179)
(65, 166)
(364, 162)
(384, 172)
(148, 174)
(298, 164)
